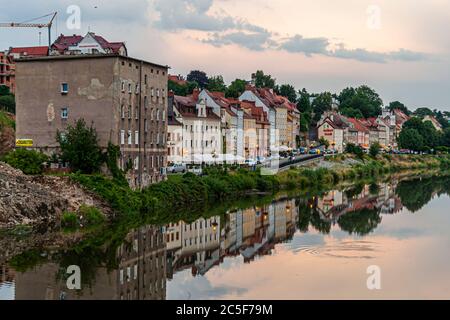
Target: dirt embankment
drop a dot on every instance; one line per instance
(34, 200)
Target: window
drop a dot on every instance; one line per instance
(136, 113)
(122, 136)
(145, 79)
(136, 137)
(129, 88)
(64, 87)
(164, 115)
(145, 102)
(157, 138)
(146, 125)
(123, 86)
(137, 88)
(152, 92)
(130, 111)
(157, 93)
(130, 137)
(64, 113)
(122, 111)
(157, 114)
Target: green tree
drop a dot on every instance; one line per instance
(374, 149)
(216, 84)
(29, 161)
(445, 139)
(410, 139)
(363, 98)
(235, 89)
(199, 77)
(324, 142)
(4, 90)
(262, 80)
(288, 91)
(400, 106)
(321, 104)
(423, 111)
(8, 103)
(79, 146)
(430, 136)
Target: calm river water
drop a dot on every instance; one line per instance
(316, 247)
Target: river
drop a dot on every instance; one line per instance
(387, 240)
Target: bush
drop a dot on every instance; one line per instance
(69, 220)
(29, 161)
(374, 149)
(91, 215)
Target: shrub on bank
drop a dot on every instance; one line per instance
(29, 161)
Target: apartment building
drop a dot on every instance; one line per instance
(124, 98)
(8, 66)
(201, 129)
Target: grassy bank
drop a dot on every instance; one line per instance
(188, 190)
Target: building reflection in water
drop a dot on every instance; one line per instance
(150, 255)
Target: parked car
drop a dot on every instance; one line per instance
(251, 162)
(195, 170)
(260, 160)
(177, 168)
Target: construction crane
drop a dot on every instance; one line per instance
(28, 24)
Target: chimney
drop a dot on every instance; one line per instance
(195, 94)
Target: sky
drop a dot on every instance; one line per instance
(398, 47)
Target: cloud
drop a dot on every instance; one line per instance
(378, 57)
(254, 41)
(175, 15)
(308, 46)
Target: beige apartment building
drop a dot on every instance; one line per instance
(124, 98)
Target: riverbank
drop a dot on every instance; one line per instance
(31, 200)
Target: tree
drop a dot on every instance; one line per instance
(304, 103)
(321, 104)
(8, 103)
(422, 112)
(400, 106)
(324, 142)
(374, 149)
(29, 161)
(410, 139)
(79, 146)
(235, 89)
(430, 136)
(182, 90)
(363, 98)
(199, 77)
(288, 91)
(356, 150)
(352, 113)
(445, 139)
(262, 80)
(4, 90)
(216, 84)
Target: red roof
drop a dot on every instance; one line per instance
(187, 107)
(359, 126)
(64, 42)
(30, 51)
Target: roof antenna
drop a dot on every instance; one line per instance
(40, 34)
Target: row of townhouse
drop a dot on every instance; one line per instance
(339, 130)
(207, 127)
